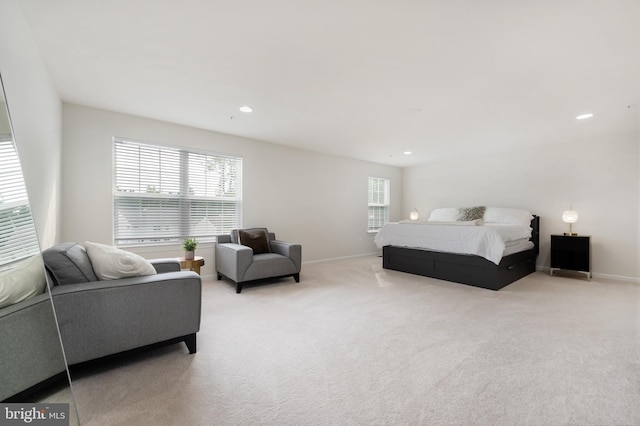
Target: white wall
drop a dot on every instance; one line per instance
(317, 200)
(36, 114)
(599, 176)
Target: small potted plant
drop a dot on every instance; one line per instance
(189, 245)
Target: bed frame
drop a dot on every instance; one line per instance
(465, 268)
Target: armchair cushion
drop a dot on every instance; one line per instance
(257, 239)
(266, 265)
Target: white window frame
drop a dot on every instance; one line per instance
(18, 237)
(378, 203)
(181, 193)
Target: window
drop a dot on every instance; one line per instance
(378, 203)
(18, 238)
(164, 195)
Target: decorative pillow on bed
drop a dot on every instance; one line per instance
(447, 214)
(471, 213)
(257, 239)
(111, 263)
(508, 216)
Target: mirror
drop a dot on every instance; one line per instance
(32, 365)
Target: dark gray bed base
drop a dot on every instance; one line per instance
(465, 268)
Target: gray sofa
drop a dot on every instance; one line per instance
(243, 263)
(100, 318)
(30, 350)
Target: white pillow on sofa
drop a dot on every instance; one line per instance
(507, 216)
(111, 263)
(23, 281)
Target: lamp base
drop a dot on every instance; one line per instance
(570, 234)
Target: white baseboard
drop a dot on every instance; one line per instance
(622, 278)
(343, 257)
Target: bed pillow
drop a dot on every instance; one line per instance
(257, 239)
(23, 281)
(111, 263)
(508, 216)
(447, 214)
(471, 213)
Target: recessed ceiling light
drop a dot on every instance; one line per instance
(584, 116)
(246, 109)
(408, 153)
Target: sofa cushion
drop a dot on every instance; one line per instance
(68, 263)
(257, 239)
(23, 281)
(111, 263)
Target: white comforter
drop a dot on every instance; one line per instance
(488, 240)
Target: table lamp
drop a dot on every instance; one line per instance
(570, 217)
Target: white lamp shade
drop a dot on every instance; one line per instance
(414, 215)
(570, 216)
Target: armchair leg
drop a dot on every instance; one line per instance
(190, 341)
(219, 277)
(238, 287)
(296, 277)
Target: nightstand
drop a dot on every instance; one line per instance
(571, 252)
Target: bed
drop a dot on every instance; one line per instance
(417, 247)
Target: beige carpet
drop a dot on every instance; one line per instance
(353, 344)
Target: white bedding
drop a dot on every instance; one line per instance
(488, 240)
(521, 245)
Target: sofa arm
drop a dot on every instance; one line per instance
(30, 351)
(232, 260)
(166, 265)
(101, 318)
(291, 250)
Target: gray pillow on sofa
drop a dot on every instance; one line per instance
(68, 263)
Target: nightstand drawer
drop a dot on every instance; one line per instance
(572, 243)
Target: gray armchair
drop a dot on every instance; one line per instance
(254, 254)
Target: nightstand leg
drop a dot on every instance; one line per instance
(587, 273)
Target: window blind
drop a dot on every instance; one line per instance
(163, 195)
(378, 203)
(18, 238)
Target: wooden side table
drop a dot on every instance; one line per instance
(192, 265)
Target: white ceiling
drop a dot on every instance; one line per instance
(366, 79)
